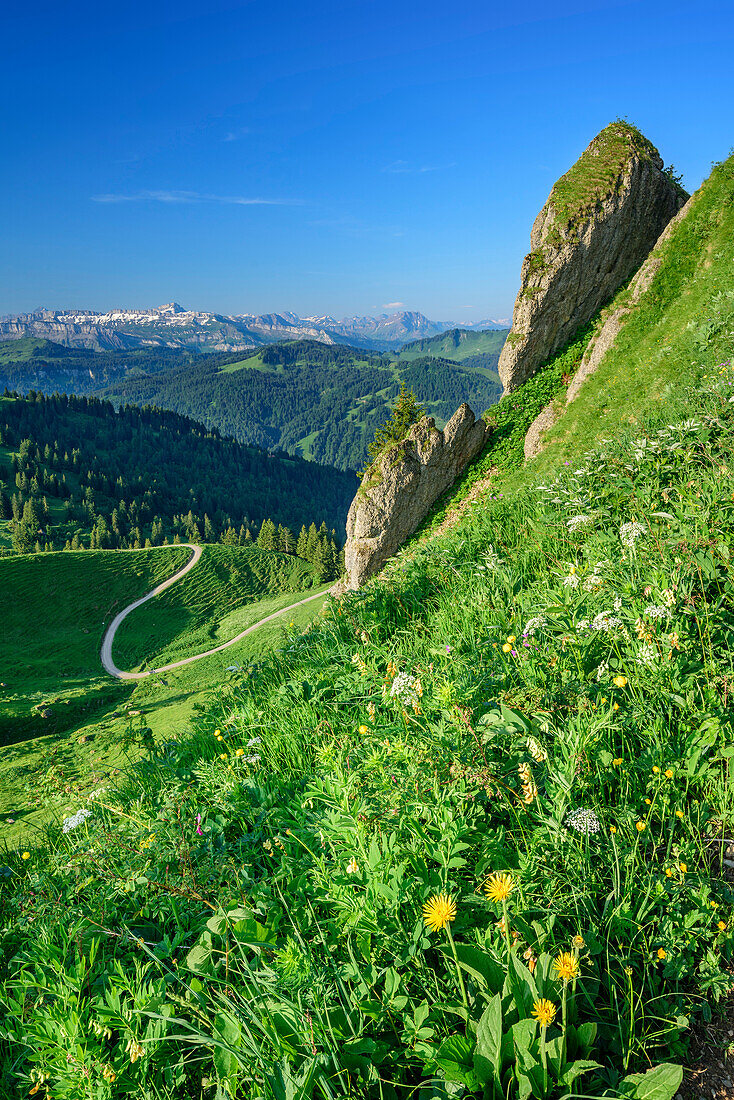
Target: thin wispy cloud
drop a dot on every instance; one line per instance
(235, 135)
(400, 167)
(179, 197)
(393, 305)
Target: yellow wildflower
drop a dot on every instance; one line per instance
(25, 855)
(364, 730)
(566, 966)
(668, 872)
(679, 814)
(544, 1012)
(511, 639)
(617, 761)
(620, 681)
(578, 942)
(682, 867)
(507, 648)
(721, 926)
(655, 770)
(499, 886)
(439, 911)
(615, 706)
(239, 752)
(662, 953)
(222, 756)
(641, 826)
(668, 773)
(613, 829)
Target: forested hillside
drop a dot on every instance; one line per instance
(73, 471)
(472, 349)
(309, 398)
(36, 364)
(315, 400)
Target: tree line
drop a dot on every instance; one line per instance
(75, 472)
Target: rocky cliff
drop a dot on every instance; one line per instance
(604, 338)
(399, 489)
(598, 224)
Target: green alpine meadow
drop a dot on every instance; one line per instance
(464, 831)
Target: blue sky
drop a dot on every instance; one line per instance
(326, 157)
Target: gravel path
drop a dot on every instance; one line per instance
(120, 674)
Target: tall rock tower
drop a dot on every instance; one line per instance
(598, 224)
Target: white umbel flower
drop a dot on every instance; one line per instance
(76, 819)
(630, 532)
(583, 821)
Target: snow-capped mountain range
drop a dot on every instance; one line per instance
(173, 326)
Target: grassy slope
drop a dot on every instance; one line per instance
(360, 808)
(458, 344)
(34, 347)
(49, 654)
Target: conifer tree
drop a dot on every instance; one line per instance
(406, 411)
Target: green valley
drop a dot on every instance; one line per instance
(460, 834)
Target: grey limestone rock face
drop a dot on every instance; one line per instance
(580, 257)
(604, 338)
(402, 485)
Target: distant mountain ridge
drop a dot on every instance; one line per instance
(173, 326)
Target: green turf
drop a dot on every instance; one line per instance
(457, 345)
(187, 618)
(66, 724)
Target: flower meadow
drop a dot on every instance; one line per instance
(462, 837)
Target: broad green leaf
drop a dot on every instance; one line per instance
(455, 1058)
(488, 1053)
(660, 1083)
(481, 966)
(574, 1070)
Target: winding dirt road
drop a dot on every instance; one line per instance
(120, 674)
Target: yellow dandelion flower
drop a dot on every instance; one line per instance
(668, 773)
(620, 681)
(617, 761)
(578, 942)
(499, 886)
(662, 953)
(25, 855)
(544, 1012)
(641, 826)
(507, 648)
(364, 730)
(439, 911)
(655, 770)
(566, 966)
(721, 926)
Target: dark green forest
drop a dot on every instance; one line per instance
(309, 398)
(323, 402)
(76, 472)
